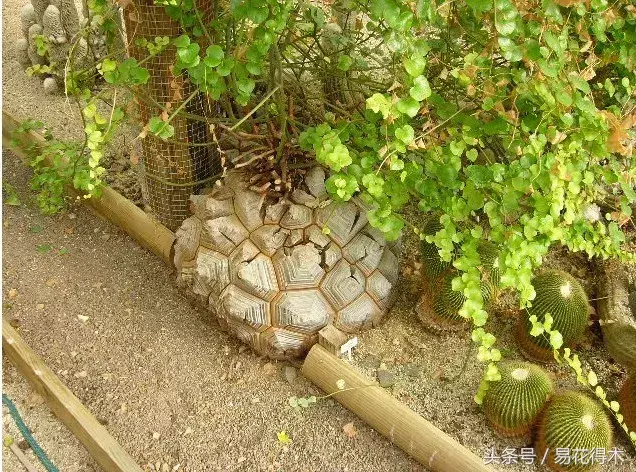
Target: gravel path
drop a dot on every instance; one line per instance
(167, 384)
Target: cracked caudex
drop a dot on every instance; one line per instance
(270, 273)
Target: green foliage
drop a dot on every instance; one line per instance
(57, 164)
(574, 421)
(42, 44)
(39, 69)
(11, 196)
(513, 403)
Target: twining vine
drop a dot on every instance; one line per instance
(512, 119)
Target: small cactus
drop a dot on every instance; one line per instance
(27, 18)
(572, 421)
(513, 403)
(50, 85)
(34, 30)
(52, 26)
(439, 304)
(439, 307)
(560, 295)
(81, 56)
(70, 17)
(22, 52)
(433, 265)
(52, 30)
(627, 400)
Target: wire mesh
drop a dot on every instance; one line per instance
(172, 169)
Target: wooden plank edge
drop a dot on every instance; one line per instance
(420, 439)
(111, 205)
(78, 419)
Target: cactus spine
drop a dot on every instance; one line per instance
(513, 403)
(560, 295)
(573, 421)
(433, 265)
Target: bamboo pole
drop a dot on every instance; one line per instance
(78, 419)
(406, 429)
(111, 205)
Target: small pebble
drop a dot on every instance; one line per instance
(412, 370)
(156, 435)
(269, 369)
(385, 378)
(290, 374)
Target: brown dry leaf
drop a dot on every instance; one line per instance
(69, 230)
(134, 158)
(144, 132)
(132, 16)
(124, 3)
(13, 293)
(438, 374)
(350, 430)
(621, 218)
(618, 133)
(164, 116)
(569, 3)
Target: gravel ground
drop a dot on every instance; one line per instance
(174, 390)
(167, 384)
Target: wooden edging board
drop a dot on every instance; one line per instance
(420, 439)
(100, 444)
(111, 205)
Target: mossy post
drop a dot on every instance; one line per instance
(170, 168)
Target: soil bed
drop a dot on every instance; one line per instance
(175, 390)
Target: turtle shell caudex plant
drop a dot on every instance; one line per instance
(560, 295)
(575, 422)
(513, 403)
(277, 270)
